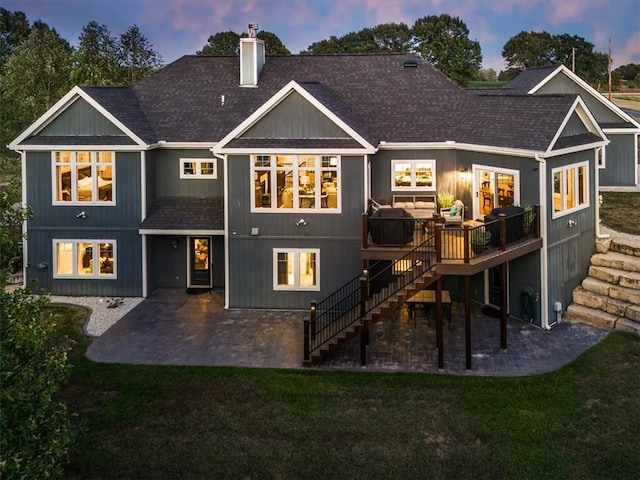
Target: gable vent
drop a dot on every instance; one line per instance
(410, 64)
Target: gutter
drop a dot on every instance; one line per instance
(544, 291)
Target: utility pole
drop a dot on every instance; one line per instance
(609, 68)
(573, 59)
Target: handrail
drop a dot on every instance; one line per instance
(343, 308)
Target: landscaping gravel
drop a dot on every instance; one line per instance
(101, 316)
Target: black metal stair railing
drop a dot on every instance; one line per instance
(346, 306)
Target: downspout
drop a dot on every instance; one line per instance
(143, 215)
(599, 199)
(225, 171)
(23, 179)
(544, 291)
(367, 181)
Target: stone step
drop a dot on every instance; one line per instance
(626, 245)
(615, 276)
(628, 325)
(616, 260)
(602, 302)
(629, 295)
(591, 316)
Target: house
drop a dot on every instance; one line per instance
(618, 161)
(251, 174)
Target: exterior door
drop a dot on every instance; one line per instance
(494, 188)
(493, 281)
(200, 262)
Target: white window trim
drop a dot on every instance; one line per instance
(413, 186)
(564, 169)
(96, 275)
(273, 169)
(297, 286)
(602, 161)
(74, 181)
(198, 166)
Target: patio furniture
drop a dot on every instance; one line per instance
(391, 226)
(454, 215)
(514, 222)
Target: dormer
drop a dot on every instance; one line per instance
(251, 58)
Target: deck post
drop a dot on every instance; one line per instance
(503, 306)
(365, 231)
(466, 242)
(536, 208)
(312, 317)
(439, 314)
(467, 321)
(438, 243)
(306, 354)
(502, 219)
(364, 296)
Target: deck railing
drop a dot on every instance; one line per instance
(358, 297)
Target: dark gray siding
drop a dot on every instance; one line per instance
(167, 175)
(150, 172)
(574, 126)
(446, 165)
(80, 119)
(119, 222)
(338, 236)
(562, 84)
(524, 272)
(620, 167)
(128, 263)
(295, 117)
(569, 249)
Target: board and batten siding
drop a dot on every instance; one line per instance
(337, 235)
(295, 117)
(119, 222)
(80, 118)
(619, 162)
(569, 248)
(168, 183)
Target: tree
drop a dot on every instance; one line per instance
(14, 28)
(627, 72)
(541, 49)
(222, 43)
(444, 42)
(228, 43)
(12, 214)
(137, 58)
(385, 38)
(36, 430)
(96, 59)
(488, 75)
(37, 75)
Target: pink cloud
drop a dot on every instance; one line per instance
(567, 10)
(629, 53)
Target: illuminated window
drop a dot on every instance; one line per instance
(198, 168)
(90, 259)
(82, 178)
(296, 269)
(570, 188)
(413, 175)
(295, 182)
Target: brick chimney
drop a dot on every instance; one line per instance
(251, 58)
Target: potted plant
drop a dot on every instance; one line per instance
(480, 238)
(445, 199)
(527, 219)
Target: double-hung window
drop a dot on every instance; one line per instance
(198, 168)
(570, 188)
(295, 182)
(296, 269)
(86, 259)
(413, 175)
(82, 178)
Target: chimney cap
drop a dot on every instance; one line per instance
(253, 28)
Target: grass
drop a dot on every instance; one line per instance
(621, 211)
(166, 422)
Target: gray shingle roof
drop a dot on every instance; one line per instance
(528, 79)
(373, 94)
(78, 140)
(185, 213)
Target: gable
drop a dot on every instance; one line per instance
(80, 119)
(574, 126)
(295, 117)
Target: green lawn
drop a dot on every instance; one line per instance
(164, 422)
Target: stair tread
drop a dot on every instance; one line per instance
(616, 260)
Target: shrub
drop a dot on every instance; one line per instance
(36, 431)
(480, 236)
(446, 199)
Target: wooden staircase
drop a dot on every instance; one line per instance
(610, 296)
(388, 305)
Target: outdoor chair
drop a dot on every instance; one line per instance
(454, 215)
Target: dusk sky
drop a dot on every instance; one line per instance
(180, 27)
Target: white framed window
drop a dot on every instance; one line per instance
(84, 259)
(296, 269)
(413, 175)
(570, 188)
(83, 178)
(601, 160)
(198, 168)
(305, 183)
